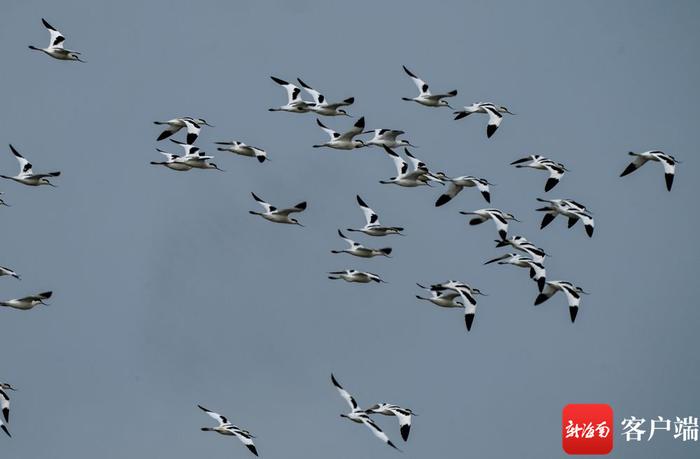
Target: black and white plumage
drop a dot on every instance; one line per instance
(403, 415)
(360, 250)
(538, 273)
(355, 276)
(456, 184)
(442, 297)
(345, 140)
(570, 209)
(447, 291)
(27, 302)
(417, 175)
(26, 175)
(358, 415)
(373, 226)
(276, 215)
(195, 157)
(321, 106)
(226, 428)
(499, 218)
(294, 104)
(523, 245)
(640, 159)
(172, 161)
(193, 126)
(55, 48)
(494, 111)
(387, 138)
(555, 169)
(425, 97)
(5, 405)
(242, 149)
(573, 295)
(8, 272)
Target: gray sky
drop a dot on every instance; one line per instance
(168, 293)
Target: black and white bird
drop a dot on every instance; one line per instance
(464, 291)
(276, 215)
(360, 250)
(443, 297)
(417, 175)
(5, 404)
(355, 276)
(193, 126)
(226, 428)
(538, 273)
(294, 104)
(195, 157)
(242, 149)
(27, 302)
(555, 169)
(403, 415)
(387, 138)
(26, 175)
(668, 161)
(456, 184)
(173, 161)
(345, 140)
(373, 226)
(523, 245)
(55, 48)
(321, 106)
(499, 217)
(426, 97)
(359, 415)
(570, 209)
(8, 272)
(573, 295)
(495, 113)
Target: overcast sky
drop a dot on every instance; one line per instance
(167, 293)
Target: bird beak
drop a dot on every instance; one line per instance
(515, 219)
(494, 260)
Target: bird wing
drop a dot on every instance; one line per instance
(317, 96)
(192, 131)
(219, 418)
(331, 133)
(420, 84)
(389, 134)
(25, 167)
(495, 119)
(547, 292)
(370, 216)
(417, 164)
(56, 38)
(401, 165)
(345, 394)
(555, 173)
(572, 296)
(452, 191)
(290, 210)
(636, 163)
(501, 223)
(267, 206)
(483, 187)
(293, 91)
(379, 433)
(356, 129)
(245, 438)
(5, 405)
(346, 239)
(669, 170)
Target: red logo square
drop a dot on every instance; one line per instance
(587, 428)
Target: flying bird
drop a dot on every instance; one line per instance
(495, 113)
(523, 245)
(27, 302)
(668, 161)
(8, 272)
(572, 292)
(26, 176)
(360, 250)
(387, 138)
(226, 428)
(321, 106)
(426, 97)
(445, 292)
(173, 162)
(499, 217)
(5, 403)
(359, 415)
(195, 157)
(55, 48)
(459, 183)
(242, 149)
(345, 140)
(294, 104)
(276, 215)
(419, 175)
(193, 125)
(555, 169)
(570, 209)
(538, 272)
(372, 226)
(355, 276)
(403, 415)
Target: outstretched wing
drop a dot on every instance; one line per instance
(267, 206)
(331, 133)
(379, 433)
(56, 38)
(317, 96)
(401, 165)
(297, 208)
(370, 216)
(420, 84)
(219, 418)
(345, 394)
(356, 129)
(293, 92)
(495, 119)
(25, 167)
(5, 405)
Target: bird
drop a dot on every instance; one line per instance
(55, 48)
(387, 138)
(361, 251)
(372, 226)
(443, 297)
(499, 217)
(359, 415)
(242, 149)
(458, 183)
(570, 209)
(572, 292)
(355, 276)
(226, 428)
(276, 215)
(174, 162)
(345, 140)
(453, 289)
(193, 126)
(294, 104)
(668, 161)
(418, 176)
(8, 272)
(426, 97)
(555, 169)
(495, 113)
(538, 272)
(523, 245)
(26, 176)
(195, 157)
(321, 106)
(403, 415)
(5, 403)
(27, 302)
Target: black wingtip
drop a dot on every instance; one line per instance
(589, 230)
(460, 115)
(546, 220)
(468, 321)
(349, 100)
(628, 170)
(487, 196)
(360, 124)
(261, 159)
(442, 200)
(541, 298)
(252, 449)
(551, 183)
(540, 283)
(573, 311)
(279, 81)
(191, 138)
(361, 202)
(301, 205)
(490, 129)
(408, 72)
(405, 430)
(669, 181)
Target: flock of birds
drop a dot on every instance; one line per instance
(410, 172)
